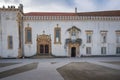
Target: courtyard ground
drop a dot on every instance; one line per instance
(88, 71)
(100, 68)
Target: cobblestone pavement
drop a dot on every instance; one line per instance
(46, 68)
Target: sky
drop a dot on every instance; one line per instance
(64, 5)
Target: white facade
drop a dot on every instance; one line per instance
(11, 19)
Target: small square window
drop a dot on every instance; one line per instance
(88, 50)
(103, 50)
(10, 42)
(118, 50)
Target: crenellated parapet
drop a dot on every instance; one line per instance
(12, 8)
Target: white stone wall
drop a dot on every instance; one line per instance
(0, 34)
(58, 50)
(8, 26)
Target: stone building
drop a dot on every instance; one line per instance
(62, 34)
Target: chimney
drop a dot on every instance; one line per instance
(3, 6)
(75, 10)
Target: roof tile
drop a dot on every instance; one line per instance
(100, 13)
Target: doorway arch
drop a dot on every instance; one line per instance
(43, 44)
(73, 52)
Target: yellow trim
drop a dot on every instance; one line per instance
(103, 32)
(89, 32)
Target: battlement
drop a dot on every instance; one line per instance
(12, 8)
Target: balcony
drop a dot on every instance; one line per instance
(69, 40)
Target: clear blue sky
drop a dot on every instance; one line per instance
(64, 5)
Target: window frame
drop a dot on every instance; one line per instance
(89, 34)
(103, 50)
(118, 36)
(26, 35)
(10, 46)
(117, 50)
(88, 50)
(103, 36)
(59, 40)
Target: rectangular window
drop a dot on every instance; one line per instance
(10, 42)
(118, 50)
(73, 33)
(89, 36)
(88, 50)
(117, 36)
(28, 35)
(104, 39)
(103, 36)
(103, 50)
(57, 34)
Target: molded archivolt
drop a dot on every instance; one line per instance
(44, 40)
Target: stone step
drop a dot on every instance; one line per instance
(39, 57)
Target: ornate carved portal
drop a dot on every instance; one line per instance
(43, 44)
(73, 50)
(73, 47)
(73, 42)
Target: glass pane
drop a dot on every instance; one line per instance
(103, 50)
(58, 33)
(29, 35)
(104, 39)
(41, 49)
(73, 34)
(10, 42)
(88, 50)
(88, 38)
(46, 49)
(118, 50)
